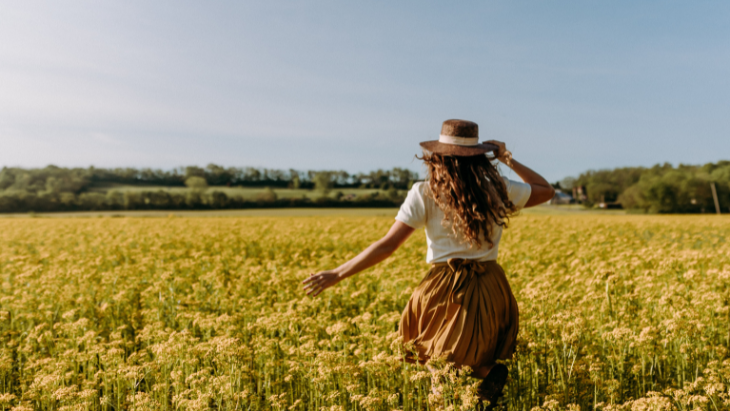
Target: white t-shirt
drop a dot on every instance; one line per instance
(419, 210)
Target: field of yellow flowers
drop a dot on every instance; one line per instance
(616, 313)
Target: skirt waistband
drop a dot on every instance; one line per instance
(457, 262)
(461, 272)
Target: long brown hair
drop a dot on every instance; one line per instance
(471, 193)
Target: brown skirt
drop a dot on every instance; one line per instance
(463, 311)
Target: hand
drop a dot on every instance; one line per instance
(503, 154)
(316, 283)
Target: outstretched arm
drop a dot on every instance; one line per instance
(541, 192)
(375, 253)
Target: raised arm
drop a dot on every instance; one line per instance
(375, 253)
(541, 192)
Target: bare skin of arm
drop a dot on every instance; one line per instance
(542, 191)
(375, 253)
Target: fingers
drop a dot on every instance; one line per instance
(503, 154)
(313, 277)
(316, 290)
(315, 284)
(501, 147)
(312, 282)
(507, 157)
(314, 287)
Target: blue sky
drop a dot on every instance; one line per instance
(569, 86)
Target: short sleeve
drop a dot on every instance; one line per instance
(413, 210)
(518, 192)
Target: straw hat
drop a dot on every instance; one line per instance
(458, 138)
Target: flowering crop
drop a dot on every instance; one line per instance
(616, 312)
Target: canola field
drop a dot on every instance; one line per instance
(616, 313)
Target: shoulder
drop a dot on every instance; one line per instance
(413, 211)
(419, 186)
(420, 190)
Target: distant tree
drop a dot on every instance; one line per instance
(402, 178)
(194, 199)
(340, 178)
(91, 201)
(392, 193)
(268, 196)
(323, 181)
(218, 176)
(115, 199)
(193, 171)
(250, 175)
(65, 183)
(607, 185)
(7, 178)
(196, 183)
(567, 183)
(294, 179)
(218, 200)
(131, 200)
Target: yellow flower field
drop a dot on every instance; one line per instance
(616, 312)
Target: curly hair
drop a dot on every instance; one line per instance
(471, 193)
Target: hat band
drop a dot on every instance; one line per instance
(459, 141)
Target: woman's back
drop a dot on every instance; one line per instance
(420, 210)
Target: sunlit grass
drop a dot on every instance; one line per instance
(186, 313)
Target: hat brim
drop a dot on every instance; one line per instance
(437, 147)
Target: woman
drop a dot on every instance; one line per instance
(463, 309)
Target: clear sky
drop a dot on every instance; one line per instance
(355, 85)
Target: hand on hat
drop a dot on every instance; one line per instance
(502, 153)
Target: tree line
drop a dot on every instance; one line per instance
(662, 188)
(75, 189)
(77, 178)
